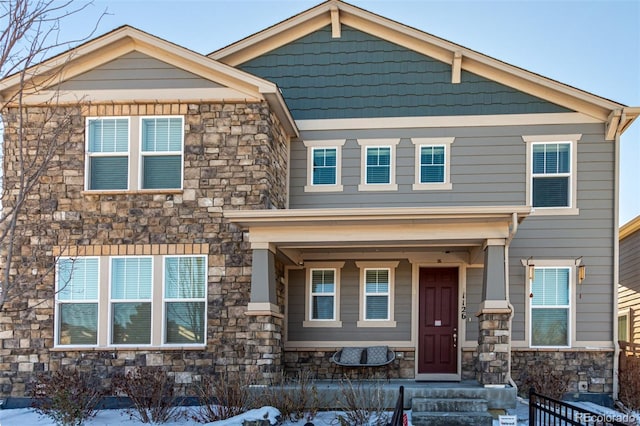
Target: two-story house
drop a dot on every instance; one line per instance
(336, 180)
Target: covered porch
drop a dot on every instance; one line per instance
(446, 286)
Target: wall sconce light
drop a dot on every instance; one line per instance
(582, 273)
(531, 269)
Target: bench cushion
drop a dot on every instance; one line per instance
(376, 355)
(350, 356)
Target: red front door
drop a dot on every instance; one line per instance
(438, 327)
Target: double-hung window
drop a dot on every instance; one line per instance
(323, 294)
(432, 163)
(134, 153)
(324, 165)
(77, 301)
(108, 153)
(550, 307)
(378, 164)
(551, 167)
(154, 300)
(376, 294)
(131, 283)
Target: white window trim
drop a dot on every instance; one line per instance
(58, 302)
(134, 154)
(158, 331)
(309, 322)
(333, 143)
(88, 155)
(364, 266)
(111, 301)
(159, 154)
(166, 299)
(368, 143)
(551, 263)
(626, 313)
(421, 142)
(572, 139)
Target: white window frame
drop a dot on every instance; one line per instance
(134, 154)
(380, 143)
(105, 312)
(551, 264)
(112, 301)
(336, 144)
(369, 265)
(626, 313)
(166, 300)
(309, 321)
(432, 142)
(89, 155)
(572, 140)
(58, 302)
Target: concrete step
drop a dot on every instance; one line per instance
(451, 419)
(448, 405)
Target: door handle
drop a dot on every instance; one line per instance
(455, 339)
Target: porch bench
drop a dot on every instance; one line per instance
(359, 358)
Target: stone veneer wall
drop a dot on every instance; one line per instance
(235, 157)
(595, 367)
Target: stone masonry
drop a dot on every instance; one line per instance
(235, 157)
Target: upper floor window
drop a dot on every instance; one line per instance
(377, 294)
(131, 300)
(324, 165)
(378, 165)
(323, 294)
(551, 167)
(550, 307)
(132, 153)
(432, 163)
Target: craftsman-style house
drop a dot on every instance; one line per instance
(337, 180)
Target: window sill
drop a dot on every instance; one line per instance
(323, 188)
(131, 192)
(432, 186)
(377, 187)
(554, 211)
(374, 324)
(198, 347)
(322, 324)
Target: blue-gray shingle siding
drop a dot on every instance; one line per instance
(359, 75)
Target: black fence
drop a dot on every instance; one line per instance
(545, 411)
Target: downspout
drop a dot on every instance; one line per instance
(507, 243)
(616, 260)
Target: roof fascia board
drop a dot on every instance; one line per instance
(629, 228)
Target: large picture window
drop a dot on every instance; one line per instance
(550, 307)
(131, 300)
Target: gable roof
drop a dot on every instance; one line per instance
(629, 228)
(617, 116)
(233, 83)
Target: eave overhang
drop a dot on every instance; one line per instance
(629, 228)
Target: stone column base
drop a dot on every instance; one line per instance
(494, 347)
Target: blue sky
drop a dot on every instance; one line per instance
(591, 45)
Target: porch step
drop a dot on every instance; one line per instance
(448, 410)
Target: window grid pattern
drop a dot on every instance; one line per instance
(432, 164)
(551, 174)
(377, 294)
(378, 165)
(550, 307)
(323, 293)
(324, 166)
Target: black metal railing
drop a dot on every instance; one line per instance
(398, 413)
(545, 411)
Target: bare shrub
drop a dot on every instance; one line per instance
(629, 382)
(222, 397)
(68, 397)
(295, 397)
(544, 380)
(151, 392)
(362, 405)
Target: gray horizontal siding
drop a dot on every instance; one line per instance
(474, 298)
(629, 294)
(487, 168)
(359, 75)
(349, 309)
(136, 71)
